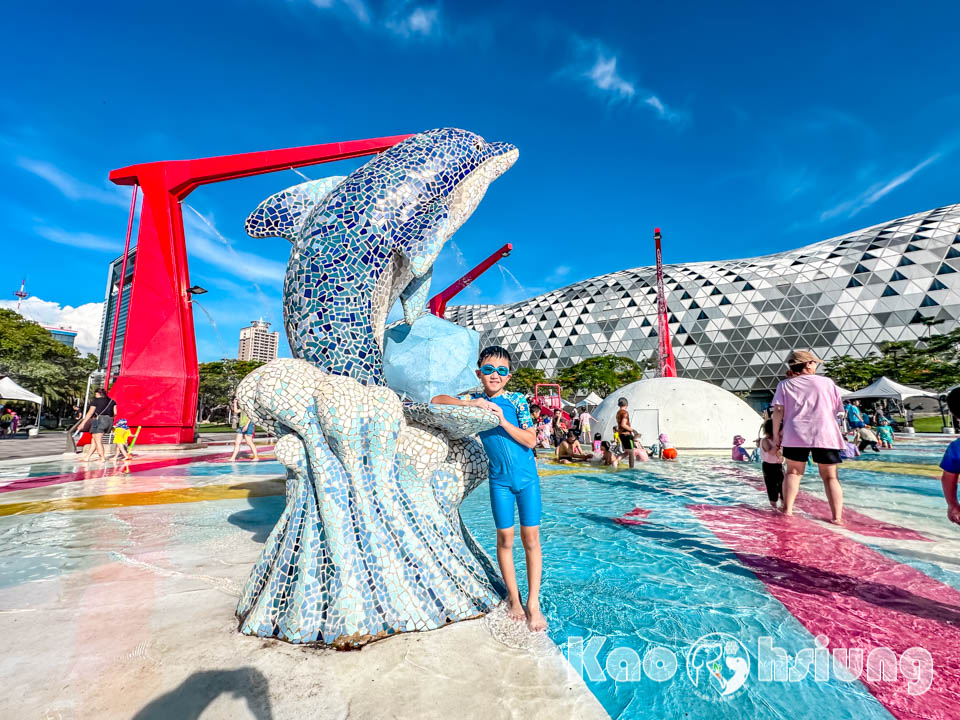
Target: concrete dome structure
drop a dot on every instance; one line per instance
(693, 413)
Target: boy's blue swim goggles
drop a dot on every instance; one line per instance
(489, 370)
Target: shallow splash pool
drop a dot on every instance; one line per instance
(653, 562)
(654, 559)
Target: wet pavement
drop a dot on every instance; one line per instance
(118, 585)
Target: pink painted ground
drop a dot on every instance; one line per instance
(633, 517)
(855, 596)
(94, 471)
(852, 520)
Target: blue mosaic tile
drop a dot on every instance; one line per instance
(370, 542)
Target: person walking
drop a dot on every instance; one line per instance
(100, 414)
(805, 409)
(585, 427)
(245, 429)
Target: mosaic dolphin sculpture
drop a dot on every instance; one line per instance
(362, 241)
(370, 542)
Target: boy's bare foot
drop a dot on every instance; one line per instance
(515, 610)
(837, 521)
(535, 620)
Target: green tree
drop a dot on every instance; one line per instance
(853, 373)
(601, 375)
(32, 358)
(934, 363)
(524, 379)
(218, 383)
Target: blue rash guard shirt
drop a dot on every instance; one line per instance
(951, 458)
(511, 463)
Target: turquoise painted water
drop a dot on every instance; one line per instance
(669, 581)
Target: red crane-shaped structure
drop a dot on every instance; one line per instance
(668, 365)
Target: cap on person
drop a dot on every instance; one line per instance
(739, 440)
(802, 357)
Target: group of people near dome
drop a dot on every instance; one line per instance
(809, 421)
(627, 445)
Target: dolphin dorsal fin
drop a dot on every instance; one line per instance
(283, 214)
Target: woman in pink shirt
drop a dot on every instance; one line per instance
(807, 404)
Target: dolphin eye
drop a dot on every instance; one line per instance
(478, 144)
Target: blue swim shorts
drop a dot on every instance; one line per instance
(502, 498)
(246, 429)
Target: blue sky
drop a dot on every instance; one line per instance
(739, 130)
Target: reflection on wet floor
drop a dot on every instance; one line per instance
(657, 557)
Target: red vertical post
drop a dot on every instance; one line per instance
(668, 366)
(158, 382)
(438, 303)
(123, 274)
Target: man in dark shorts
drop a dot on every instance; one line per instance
(808, 406)
(625, 431)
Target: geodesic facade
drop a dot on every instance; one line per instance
(733, 322)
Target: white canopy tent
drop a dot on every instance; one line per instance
(9, 390)
(591, 399)
(888, 389)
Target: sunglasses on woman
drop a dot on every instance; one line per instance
(490, 369)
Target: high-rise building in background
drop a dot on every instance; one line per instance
(110, 309)
(258, 343)
(62, 335)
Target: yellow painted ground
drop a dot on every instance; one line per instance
(893, 467)
(234, 491)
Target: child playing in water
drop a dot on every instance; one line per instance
(608, 456)
(739, 453)
(513, 478)
(772, 464)
(597, 443)
(667, 451)
(884, 432)
(121, 436)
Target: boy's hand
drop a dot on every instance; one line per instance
(953, 513)
(496, 410)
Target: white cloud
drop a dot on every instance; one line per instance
(73, 188)
(423, 21)
(85, 319)
(666, 112)
(357, 8)
(85, 240)
(875, 192)
(604, 76)
(204, 241)
(558, 274)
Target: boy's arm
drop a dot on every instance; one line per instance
(949, 482)
(527, 438)
(475, 402)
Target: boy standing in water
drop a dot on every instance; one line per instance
(513, 479)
